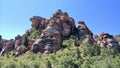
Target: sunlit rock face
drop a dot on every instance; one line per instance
(38, 22)
(84, 33)
(8, 46)
(106, 40)
(57, 29)
(47, 35)
(50, 39)
(68, 25)
(83, 29)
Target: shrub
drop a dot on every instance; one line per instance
(34, 34)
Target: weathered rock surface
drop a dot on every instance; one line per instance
(84, 33)
(46, 35)
(18, 41)
(58, 28)
(8, 46)
(105, 40)
(37, 22)
(50, 37)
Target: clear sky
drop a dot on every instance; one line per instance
(99, 15)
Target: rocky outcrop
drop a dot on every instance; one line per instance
(8, 46)
(83, 29)
(37, 22)
(84, 33)
(51, 37)
(47, 35)
(2, 43)
(105, 40)
(58, 28)
(68, 25)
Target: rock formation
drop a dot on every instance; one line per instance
(105, 40)
(46, 35)
(59, 28)
(8, 46)
(84, 33)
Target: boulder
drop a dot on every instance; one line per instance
(37, 22)
(106, 40)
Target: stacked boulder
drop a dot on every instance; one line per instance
(57, 29)
(105, 40)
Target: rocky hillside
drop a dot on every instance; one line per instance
(47, 35)
(58, 43)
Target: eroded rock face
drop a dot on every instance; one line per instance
(18, 41)
(106, 40)
(57, 29)
(83, 29)
(2, 42)
(51, 37)
(8, 46)
(46, 35)
(84, 33)
(68, 25)
(37, 22)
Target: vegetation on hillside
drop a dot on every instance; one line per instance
(69, 56)
(34, 34)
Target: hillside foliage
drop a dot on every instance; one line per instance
(69, 56)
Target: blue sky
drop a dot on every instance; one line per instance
(99, 15)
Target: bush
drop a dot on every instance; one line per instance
(34, 34)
